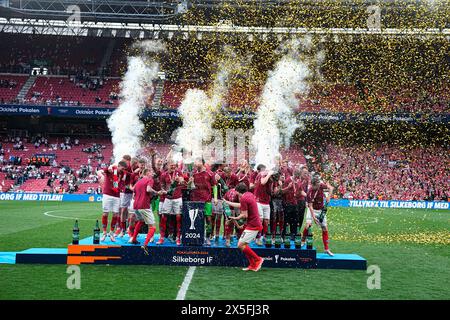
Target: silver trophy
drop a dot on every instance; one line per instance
(193, 213)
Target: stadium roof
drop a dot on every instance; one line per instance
(162, 19)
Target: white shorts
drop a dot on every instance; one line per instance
(160, 207)
(146, 215)
(110, 204)
(131, 206)
(172, 206)
(217, 209)
(309, 218)
(125, 199)
(248, 236)
(264, 211)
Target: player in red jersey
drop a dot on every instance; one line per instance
(277, 208)
(125, 193)
(262, 192)
(230, 225)
(314, 199)
(143, 193)
(158, 170)
(205, 184)
(111, 196)
(244, 173)
(172, 183)
(134, 178)
(248, 210)
(302, 184)
(290, 190)
(226, 180)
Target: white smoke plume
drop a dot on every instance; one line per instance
(275, 121)
(199, 109)
(124, 124)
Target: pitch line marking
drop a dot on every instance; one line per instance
(47, 213)
(186, 282)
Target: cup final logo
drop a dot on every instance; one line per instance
(193, 213)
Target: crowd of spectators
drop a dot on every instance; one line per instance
(60, 178)
(388, 173)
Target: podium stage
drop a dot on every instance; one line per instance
(122, 253)
(192, 252)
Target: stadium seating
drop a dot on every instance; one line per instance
(48, 89)
(9, 93)
(34, 185)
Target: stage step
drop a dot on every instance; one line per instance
(122, 253)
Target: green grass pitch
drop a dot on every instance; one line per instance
(411, 248)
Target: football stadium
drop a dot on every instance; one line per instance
(224, 150)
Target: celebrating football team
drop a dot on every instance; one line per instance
(251, 205)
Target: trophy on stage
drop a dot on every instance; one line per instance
(193, 213)
(189, 163)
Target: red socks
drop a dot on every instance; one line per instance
(218, 222)
(150, 233)
(104, 222)
(113, 222)
(137, 228)
(325, 239)
(162, 226)
(265, 228)
(305, 233)
(178, 225)
(252, 257)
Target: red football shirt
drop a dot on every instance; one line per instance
(166, 181)
(142, 198)
(316, 196)
(248, 203)
(289, 194)
(108, 185)
(204, 181)
(302, 185)
(262, 192)
(124, 180)
(245, 178)
(231, 196)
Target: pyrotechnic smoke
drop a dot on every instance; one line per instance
(275, 120)
(199, 108)
(125, 126)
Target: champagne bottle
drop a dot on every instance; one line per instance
(268, 240)
(96, 239)
(309, 239)
(298, 240)
(287, 238)
(224, 186)
(226, 209)
(323, 212)
(172, 187)
(75, 233)
(278, 238)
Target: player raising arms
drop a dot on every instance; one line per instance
(143, 193)
(248, 210)
(205, 184)
(244, 173)
(172, 183)
(314, 200)
(111, 196)
(262, 192)
(226, 180)
(125, 193)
